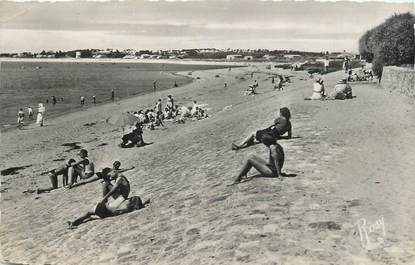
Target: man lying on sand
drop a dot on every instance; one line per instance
(281, 126)
(117, 207)
(84, 168)
(272, 168)
(54, 173)
(119, 204)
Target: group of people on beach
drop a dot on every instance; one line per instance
(39, 118)
(21, 115)
(71, 170)
(54, 100)
(172, 112)
(152, 118)
(279, 85)
(342, 90)
(360, 75)
(115, 186)
(42, 109)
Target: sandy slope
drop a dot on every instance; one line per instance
(342, 149)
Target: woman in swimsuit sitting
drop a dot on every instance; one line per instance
(281, 125)
(272, 168)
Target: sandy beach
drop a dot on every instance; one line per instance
(349, 199)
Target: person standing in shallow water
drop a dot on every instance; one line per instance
(20, 118)
(170, 102)
(272, 168)
(40, 114)
(112, 95)
(30, 112)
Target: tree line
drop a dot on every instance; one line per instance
(390, 43)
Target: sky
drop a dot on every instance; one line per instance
(140, 24)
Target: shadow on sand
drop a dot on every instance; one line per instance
(133, 145)
(284, 175)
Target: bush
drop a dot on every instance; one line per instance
(390, 43)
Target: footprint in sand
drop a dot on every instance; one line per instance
(227, 107)
(330, 225)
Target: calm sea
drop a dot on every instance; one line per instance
(24, 84)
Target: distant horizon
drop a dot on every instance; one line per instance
(180, 49)
(163, 25)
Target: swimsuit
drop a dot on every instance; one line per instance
(102, 211)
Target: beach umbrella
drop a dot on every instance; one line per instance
(123, 119)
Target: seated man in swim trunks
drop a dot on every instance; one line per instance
(121, 185)
(281, 126)
(84, 168)
(117, 207)
(54, 173)
(272, 168)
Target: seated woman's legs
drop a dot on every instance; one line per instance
(81, 219)
(257, 163)
(250, 140)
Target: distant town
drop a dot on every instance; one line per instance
(208, 53)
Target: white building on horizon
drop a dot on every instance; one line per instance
(233, 57)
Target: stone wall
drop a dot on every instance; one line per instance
(399, 78)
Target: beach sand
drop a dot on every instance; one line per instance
(349, 160)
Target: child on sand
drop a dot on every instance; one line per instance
(281, 125)
(54, 173)
(272, 168)
(30, 112)
(20, 118)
